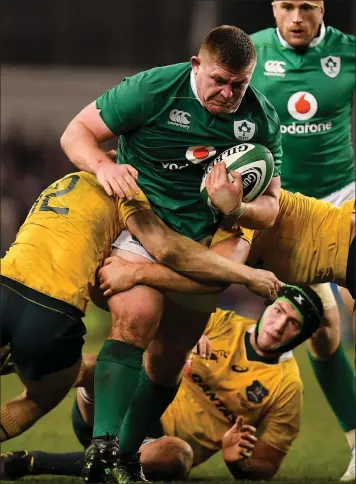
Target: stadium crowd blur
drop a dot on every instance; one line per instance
(28, 166)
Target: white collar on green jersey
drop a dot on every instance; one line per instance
(193, 85)
(313, 43)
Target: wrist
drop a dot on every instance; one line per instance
(139, 274)
(238, 211)
(102, 161)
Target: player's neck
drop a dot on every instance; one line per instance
(272, 355)
(316, 41)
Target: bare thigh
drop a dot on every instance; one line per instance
(135, 313)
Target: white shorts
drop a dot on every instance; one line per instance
(342, 195)
(204, 303)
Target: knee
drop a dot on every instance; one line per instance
(175, 463)
(48, 392)
(135, 323)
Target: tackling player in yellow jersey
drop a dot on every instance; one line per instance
(245, 399)
(49, 271)
(309, 242)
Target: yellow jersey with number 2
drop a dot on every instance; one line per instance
(66, 236)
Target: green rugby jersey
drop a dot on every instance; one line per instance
(168, 136)
(312, 93)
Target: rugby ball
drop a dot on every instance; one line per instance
(254, 162)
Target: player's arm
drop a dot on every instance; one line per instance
(227, 198)
(98, 122)
(194, 260)
(121, 275)
(264, 463)
(276, 433)
(262, 212)
(82, 138)
(117, 275)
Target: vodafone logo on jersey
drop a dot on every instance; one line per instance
(302, 105)
(197, 154)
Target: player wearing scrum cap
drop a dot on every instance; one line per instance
(243, 398)
(308, 72)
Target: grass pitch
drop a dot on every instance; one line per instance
(320, 454)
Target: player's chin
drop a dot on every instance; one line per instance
(298, 42)
(217, 109)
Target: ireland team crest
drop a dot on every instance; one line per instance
(331, 65)
(244, 130)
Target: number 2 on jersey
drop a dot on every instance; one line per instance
(45, 207)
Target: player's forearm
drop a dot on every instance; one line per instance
(82, 147)
(197, 262)
(252, 469)
(183, 254)
(259, 214)
(164, 278)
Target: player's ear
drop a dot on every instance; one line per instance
(195, 62)
(274, 10)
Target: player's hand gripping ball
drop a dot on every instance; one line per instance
(254, 162)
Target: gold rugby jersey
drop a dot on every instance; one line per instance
(214, 392)
(66, 236)
(308, 243)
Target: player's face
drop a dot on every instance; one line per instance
(280, 323)
(220, 90)
(298, 22)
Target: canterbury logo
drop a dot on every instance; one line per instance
(275, 68)
(179, 118)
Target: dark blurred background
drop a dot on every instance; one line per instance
(135, 33)
(59, 56)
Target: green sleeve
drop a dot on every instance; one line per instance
(274, 141)
(271, 137)
(123, 107)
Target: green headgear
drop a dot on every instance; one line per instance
(310, 307)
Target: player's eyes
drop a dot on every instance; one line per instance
(306, 8)
(237, 85)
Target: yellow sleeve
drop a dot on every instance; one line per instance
(222, 321)
(129, 207)
(247, 234)
(225, 233)
(281, 425)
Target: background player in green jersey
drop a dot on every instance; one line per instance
(308, 72)
(170, 121)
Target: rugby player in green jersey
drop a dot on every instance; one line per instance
(308, 72)
(170, 121)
